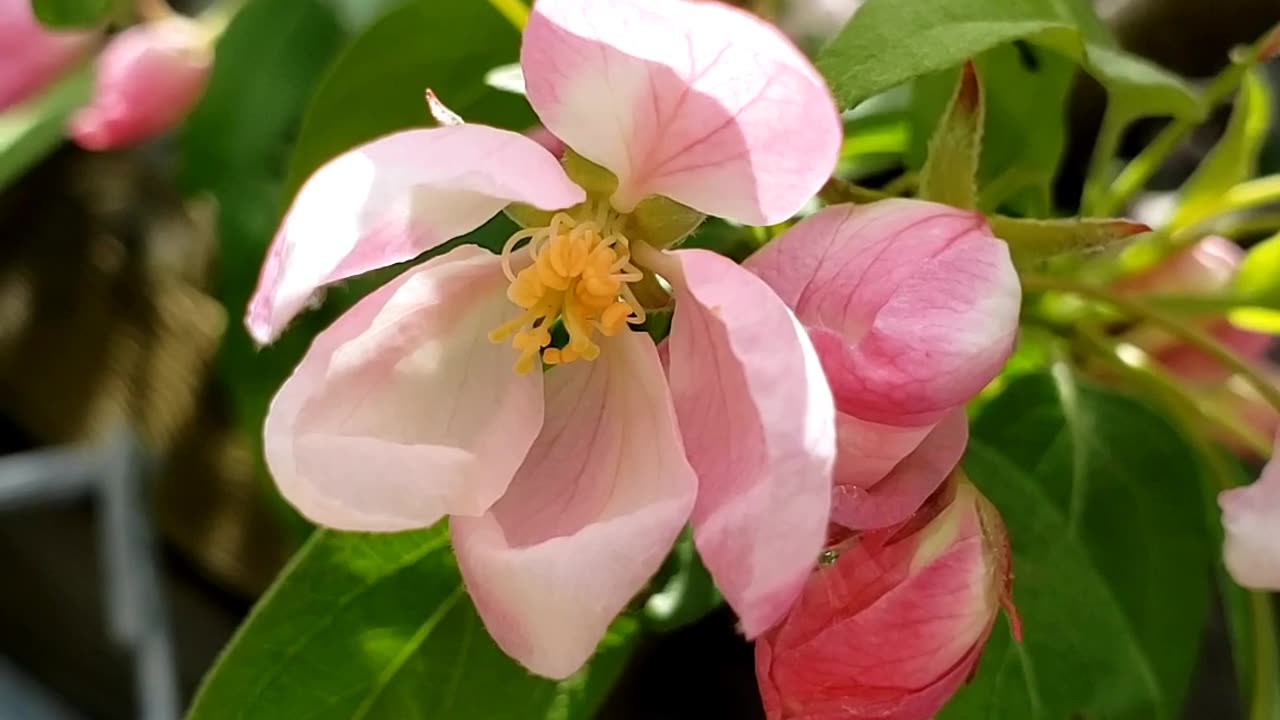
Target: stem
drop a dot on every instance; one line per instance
(1265, 662)
(1139, 170)
(1141, 310)
(1104, 151)
(1176, 395)
(1251, 193)
(154, 10)
(214, 21)
(837, 191)
(515, 11)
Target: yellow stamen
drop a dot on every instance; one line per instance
(578, 271)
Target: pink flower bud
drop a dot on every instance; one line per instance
(895, 625)
(32, 57)
(912, 306)
(149, 78)
(1206, 268)
(913, 309)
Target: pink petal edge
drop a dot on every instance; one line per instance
(759, 425)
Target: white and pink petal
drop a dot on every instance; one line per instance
(1251, 520)
(589, 517)
(392, 199)
(699, 102)
(403, 411)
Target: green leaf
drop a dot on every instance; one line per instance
(76, 13)
(1235, 158)
(37, 127)
(950, 173)
(1102, 499)
(379, 626)
(377, 85)
(1025, 89)
(1259, 281)
(1033, 241)
(888, 42)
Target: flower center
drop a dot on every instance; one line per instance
(580, 274)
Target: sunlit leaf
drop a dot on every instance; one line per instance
(379, 626)
(888, 42)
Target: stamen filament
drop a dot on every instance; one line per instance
(578, 272)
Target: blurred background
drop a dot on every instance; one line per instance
(136, 523)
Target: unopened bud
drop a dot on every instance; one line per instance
(894, 624)
(149, 78)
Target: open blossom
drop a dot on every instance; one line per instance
(31, 56)
(895, 624)
(149, 77)
(1209, 267)
(566, 488)
(913, 308)
(1251, 521)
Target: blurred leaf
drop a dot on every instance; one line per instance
(377, 86)
(1102, 499)
(76, 13)
(235, 146)
(37, 127)
(1235, 158)
(888, 42)
(1259, 280)
(950, 173)
(380, 626)
(1025, 89)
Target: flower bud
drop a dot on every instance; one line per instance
(31, 56)
(1206, 268)
(149, 78)
(1250, 518)
(913, 309)
(912, 306)
(895, 624)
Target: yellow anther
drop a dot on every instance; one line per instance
(579, 274)
(546, 272)
(614, 318)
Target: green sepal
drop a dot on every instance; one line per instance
(1033, 241)
(950, 174)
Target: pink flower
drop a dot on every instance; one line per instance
(1206, 268)
(913, 308)
(566, 488)
(32, 56)
(149, 78)
(1251, 520)
(896, 624)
